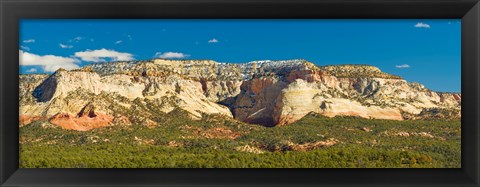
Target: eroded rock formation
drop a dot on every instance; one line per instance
(262, 92)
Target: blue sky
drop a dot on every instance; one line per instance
(425, 51)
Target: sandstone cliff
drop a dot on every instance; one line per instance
(261, 92)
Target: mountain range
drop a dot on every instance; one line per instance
(269, 93)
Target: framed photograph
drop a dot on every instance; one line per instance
(239, 93)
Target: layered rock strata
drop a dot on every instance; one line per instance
(261, 92)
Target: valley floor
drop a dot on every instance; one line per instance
(214, 142)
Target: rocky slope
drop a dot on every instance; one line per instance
(261, 92)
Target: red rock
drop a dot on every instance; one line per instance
(257, 85)
(307, 75)
(83, 123)
(457, 97)
(27, 119)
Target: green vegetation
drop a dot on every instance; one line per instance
(357, 71)
(215, 142)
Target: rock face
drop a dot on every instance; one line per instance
(262, 92)
(256, 102)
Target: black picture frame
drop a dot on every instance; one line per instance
(11, 11)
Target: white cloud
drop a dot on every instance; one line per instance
(29, 41)
(25, 48)
(214, 40)
(49, 63)
(403, 66)
(65, 46)
(129, 37)
(118, 42)
(31, 70)
(171, 55)
(76, 39)
(102, 55)
(92, 40)
(422, 25)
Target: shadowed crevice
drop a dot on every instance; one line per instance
(45, 91)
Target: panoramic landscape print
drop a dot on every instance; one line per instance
(239, 93)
